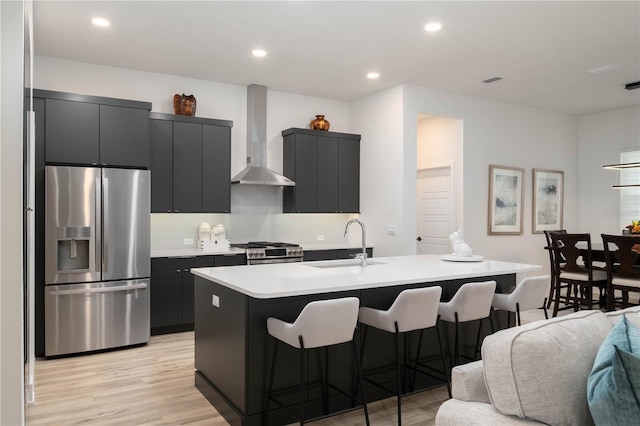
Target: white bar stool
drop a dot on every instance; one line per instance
(321, 324)
(530, 293)
(414, 309)
(472, 302)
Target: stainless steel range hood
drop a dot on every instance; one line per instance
(256, 172)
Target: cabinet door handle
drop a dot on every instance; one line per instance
(178, 271)
(186, 270)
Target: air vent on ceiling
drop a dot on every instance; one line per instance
(604, 68)
(492, 79)
(632, 86)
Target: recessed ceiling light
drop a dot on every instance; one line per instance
(373, 75)
(603, 68)
(259, 53)
(433, 27)
(100, 22)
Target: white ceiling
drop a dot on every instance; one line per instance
(542, 49)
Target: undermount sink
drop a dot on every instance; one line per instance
(344, 264)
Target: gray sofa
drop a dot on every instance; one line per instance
(533, 374)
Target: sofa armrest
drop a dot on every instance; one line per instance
(467, 382)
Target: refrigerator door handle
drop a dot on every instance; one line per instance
(105, 225)
(97, 231)
(97, 290)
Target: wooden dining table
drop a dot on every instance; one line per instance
(597, 251)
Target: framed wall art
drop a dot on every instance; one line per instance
(548, 195)
(505, 200)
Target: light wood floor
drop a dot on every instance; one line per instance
(154, 385)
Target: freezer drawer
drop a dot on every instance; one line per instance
(89, 317)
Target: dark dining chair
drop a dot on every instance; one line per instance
(579, 276)
(552, 263)
(622, 254)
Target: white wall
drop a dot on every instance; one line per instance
(602, 136)
(494, 133)
(256, 212)
(11, 319)
(378, 118)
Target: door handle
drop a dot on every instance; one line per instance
(98, 290)
(419, 239)
(105, 224)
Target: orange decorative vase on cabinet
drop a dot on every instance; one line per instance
(320, 123)
(184, 105)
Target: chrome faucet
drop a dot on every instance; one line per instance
(362, 256)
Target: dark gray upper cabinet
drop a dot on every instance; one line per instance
(348, 175)
(161, 165)
(72, 132)
(187, 167)
(326, 169)
(300, 164)
(216, 171)
(190, 164)
(327, 175)
(92, 130)
(124, 136)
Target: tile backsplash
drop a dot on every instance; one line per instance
(256, 215)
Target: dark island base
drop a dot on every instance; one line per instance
(233, 350)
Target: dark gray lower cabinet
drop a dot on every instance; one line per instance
(172, 296)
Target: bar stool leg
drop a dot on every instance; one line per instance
(444, 362)
(267, 398)
(518, 313)
(302, 350)
(398, 382)
(360, 381)
(456, 343)
(324, 373)
(415, 365)
(477, 349)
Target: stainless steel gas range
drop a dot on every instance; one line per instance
(263, 252)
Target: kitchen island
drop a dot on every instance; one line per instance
(232, 304)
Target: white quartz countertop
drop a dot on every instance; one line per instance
(195, 252)
(234, 250)
(293, 279)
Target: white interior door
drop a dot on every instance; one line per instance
(435, 210)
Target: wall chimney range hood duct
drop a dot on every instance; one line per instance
(256, 172)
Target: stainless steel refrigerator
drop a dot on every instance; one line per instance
(97, 261)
